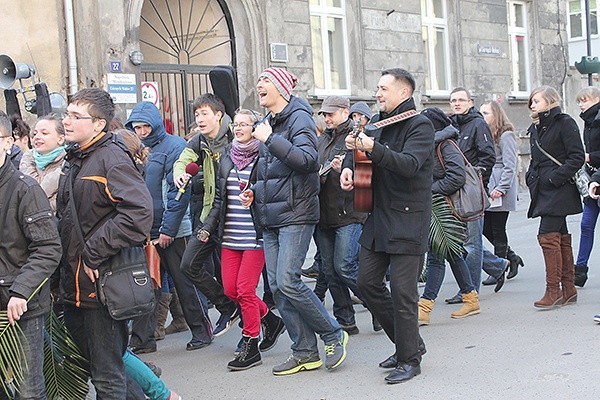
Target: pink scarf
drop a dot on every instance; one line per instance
(242, 154)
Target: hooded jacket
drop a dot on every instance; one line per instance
(171, 217)
(30, 247)
(475, 141)
(112, 203)
(448, 174)
(287, 187)
(591, 133)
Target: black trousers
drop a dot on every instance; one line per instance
(193, 312)
(194, 263)
(396, 311)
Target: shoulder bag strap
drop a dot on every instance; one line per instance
(544, 152)
(74, 210)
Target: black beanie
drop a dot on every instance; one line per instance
(438, 117)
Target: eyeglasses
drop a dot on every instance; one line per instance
(239, 125)
(454, 101)
(76, 117)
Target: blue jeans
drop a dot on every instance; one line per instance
(339, 262)
(301, 310)
(588, 224)
(493, 265)
(152, 385)
(33, 376)
(474, 248)
(436, 269)
(102, 341)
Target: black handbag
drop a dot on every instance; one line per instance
(124, 286)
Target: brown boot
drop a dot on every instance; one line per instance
(569, 292)
(178, 324)
(161, 315)
(550, 244)
(470, 305)
(425, 307)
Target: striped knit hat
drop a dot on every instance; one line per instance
(283, 80)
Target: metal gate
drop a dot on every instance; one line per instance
(178, 86)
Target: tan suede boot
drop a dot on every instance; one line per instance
(425, 307)
(550, 243)
(470, 305)
(567, 280)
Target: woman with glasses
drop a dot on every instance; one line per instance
(503, 189)
(46, 159)
(242, 255)
(554, 139)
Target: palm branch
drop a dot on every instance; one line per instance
(446, 232)
(65, 370)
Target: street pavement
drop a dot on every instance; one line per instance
(509, 351)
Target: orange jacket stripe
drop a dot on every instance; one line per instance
(103, 181)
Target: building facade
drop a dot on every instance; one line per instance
(162, 50)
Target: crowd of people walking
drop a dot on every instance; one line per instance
(266, 186)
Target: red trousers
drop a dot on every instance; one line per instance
(240, 271)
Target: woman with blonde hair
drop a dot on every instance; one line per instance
(503, 189)
(554, 139)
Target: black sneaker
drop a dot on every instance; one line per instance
(351, 329)
(311, 272)
(225, 321)
(144, 349)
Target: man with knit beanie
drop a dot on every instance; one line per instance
(286, 206)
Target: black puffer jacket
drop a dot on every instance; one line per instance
(450, 176)
(287, 186)
(552, 191)
(30, 246)
(337, 205)
(475, 141)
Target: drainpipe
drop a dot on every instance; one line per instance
(71, 50)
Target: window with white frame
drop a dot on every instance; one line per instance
(435, 40)
(577, 19)
(329, 46)
(519, 45)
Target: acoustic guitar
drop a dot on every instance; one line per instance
(363, 166)
(363, 172)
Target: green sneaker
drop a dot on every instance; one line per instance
(335, 353)
(294, 364)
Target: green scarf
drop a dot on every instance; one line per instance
(42, 160)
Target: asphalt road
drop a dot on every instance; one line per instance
(509, 351)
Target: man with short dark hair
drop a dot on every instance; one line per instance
(475, 141)
(402, 155)
(29, 253)
(112, 204)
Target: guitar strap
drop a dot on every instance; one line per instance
(395, 119)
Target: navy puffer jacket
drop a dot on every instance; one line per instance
(287, 187)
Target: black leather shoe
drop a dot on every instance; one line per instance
(390, 362)
(501, 279)
(457, 299)
(196, 345)
(489, 281)
(403, 373)
(143, 349)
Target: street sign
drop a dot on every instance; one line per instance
(122, 88)
(150, 93)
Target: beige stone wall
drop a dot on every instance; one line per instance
(33, 33)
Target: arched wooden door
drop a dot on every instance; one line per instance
(181, 41)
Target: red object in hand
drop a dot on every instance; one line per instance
(192, 169)
(243, 185)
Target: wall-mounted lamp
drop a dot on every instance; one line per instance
(136, 57)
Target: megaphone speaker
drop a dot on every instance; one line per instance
(10, 71)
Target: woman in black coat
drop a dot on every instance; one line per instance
(588, 100)
(554, 134)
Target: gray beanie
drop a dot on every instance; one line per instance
(362, 108)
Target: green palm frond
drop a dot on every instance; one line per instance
(12, 359)
(64, 368)
(446, 233)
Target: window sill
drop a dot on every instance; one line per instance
(518, 98)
